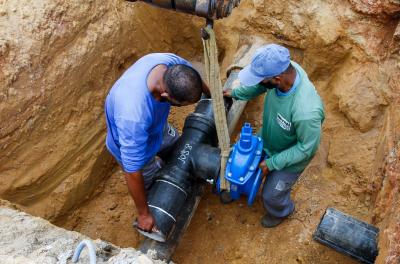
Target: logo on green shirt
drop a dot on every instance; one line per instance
(282, 122)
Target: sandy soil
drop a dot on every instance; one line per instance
(231, 233)
(59, 59)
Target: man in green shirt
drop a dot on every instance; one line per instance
(292, 120)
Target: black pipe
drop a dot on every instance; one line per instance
(206, 161)
(348, 235)
(211, 9)
(194, 157)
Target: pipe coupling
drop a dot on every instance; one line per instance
(211, 9)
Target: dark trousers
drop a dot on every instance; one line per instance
(276, 193)
(170, 137)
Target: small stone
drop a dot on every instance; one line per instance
(299, 259)
(113, 206)
(142, 259)
(210, 216)
(238, 255)
(396, 34)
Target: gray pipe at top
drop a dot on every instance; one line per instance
(210, 9)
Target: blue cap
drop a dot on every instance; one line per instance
(268, 61)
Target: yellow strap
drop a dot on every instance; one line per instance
(214, 81)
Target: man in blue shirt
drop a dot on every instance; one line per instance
(137, 109)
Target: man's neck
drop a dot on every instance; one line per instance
(289, 83)
(154, 80)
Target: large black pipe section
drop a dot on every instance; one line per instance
(210, 9)
(348, 235)
(194, 157)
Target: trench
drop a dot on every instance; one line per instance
(231, 233)
(52, 168)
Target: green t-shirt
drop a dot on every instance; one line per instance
(291, 124)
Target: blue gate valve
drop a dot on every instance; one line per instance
(242, 171)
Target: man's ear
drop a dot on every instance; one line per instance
(277, 79)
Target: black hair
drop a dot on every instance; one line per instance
(184, 83)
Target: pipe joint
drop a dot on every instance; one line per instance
(206, 162)
(210, 9)
(194, 156)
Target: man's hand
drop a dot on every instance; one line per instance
(264, 168)
(227, 93)
(136, 188)
(146, 222)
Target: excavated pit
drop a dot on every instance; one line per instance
(58, 62)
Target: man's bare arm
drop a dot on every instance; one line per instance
(136, 188)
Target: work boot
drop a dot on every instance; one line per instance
(269, 221)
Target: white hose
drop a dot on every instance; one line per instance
(91, 248)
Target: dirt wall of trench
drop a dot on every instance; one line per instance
(350, 50)
(59, 59)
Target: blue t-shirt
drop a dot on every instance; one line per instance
(135, 120)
